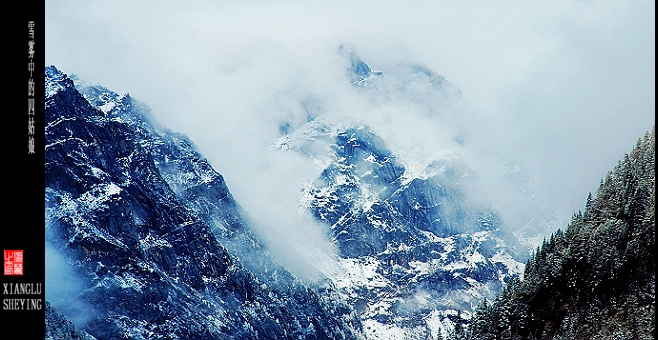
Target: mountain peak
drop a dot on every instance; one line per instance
(358, 70)
(56, 81)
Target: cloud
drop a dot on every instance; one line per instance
(561, 89)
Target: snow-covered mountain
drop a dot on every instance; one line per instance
(418, 252)
(157, 247)
(146, 242)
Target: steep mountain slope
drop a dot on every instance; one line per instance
(418, 251)
(157, 246)
(596, 280)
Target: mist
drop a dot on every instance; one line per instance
(64, 285)
(557, 90)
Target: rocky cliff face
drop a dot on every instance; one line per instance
(416, 253)
(157, 245)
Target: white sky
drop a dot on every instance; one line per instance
(564, 88)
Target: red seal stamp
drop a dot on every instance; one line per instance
(13, 262)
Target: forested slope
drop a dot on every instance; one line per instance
(596, 279)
